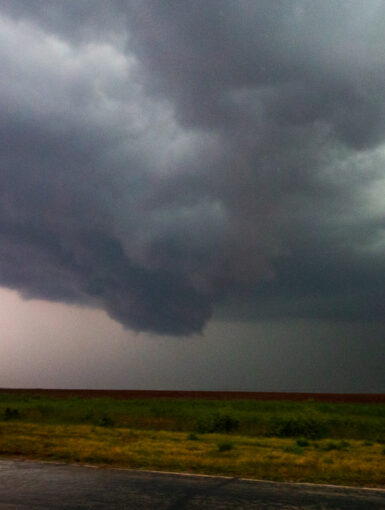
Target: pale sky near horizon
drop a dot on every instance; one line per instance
(52, 345)
(192, 194)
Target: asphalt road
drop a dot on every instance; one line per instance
(33, 485)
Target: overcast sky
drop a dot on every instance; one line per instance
(192, 194)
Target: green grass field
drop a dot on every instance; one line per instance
(292, 441)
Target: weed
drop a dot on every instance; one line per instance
(192, 437)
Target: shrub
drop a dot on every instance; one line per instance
(225, 446)
(294, 449)
(202, 426)
(302, 442)
(225, 423)
(307, 427)
(106, 421)
(11, 414)
(217, 423)
(336, 446)
(192, 437)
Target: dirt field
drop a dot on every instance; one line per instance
(366, 398)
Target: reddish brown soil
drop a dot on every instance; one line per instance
(367, 398)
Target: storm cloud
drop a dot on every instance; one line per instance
(170, 161)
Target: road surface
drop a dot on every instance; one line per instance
(29, 485)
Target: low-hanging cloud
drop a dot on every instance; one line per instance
(167, 161)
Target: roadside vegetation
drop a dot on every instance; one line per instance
(292, 441)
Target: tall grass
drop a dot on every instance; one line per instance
(324, 461)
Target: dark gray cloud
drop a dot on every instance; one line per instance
(171, 160)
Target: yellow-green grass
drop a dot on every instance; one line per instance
(308, 419)
(355, 462)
